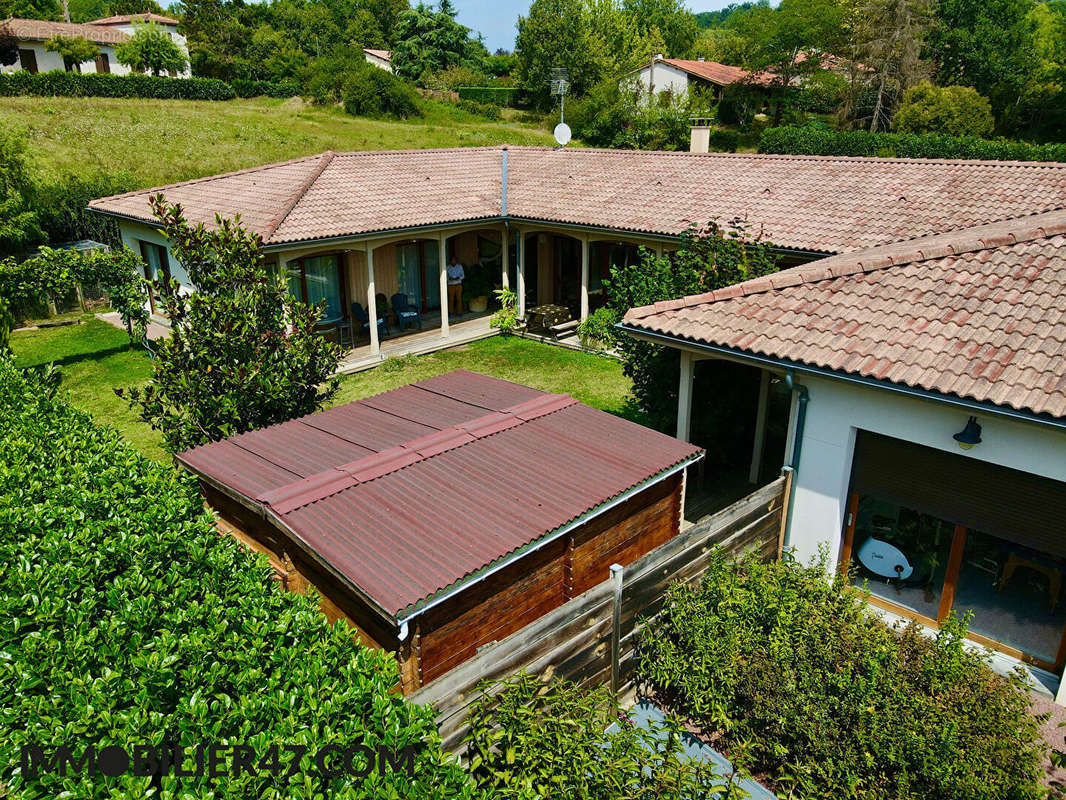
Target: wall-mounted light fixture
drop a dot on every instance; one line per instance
(970, 435)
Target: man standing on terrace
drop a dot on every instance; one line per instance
(456, 274)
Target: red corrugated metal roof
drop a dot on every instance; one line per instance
(408, 493)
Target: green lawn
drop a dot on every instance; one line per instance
(95, 358)
(163, 141)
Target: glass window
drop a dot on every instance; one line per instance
(901, 555)
(1014, 593)
(322, 277)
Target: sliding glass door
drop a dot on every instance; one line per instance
(319, 280)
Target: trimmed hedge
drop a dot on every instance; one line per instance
(819, 141)
(74, 84)
(243, 88)
(493, 95)
(127, 619)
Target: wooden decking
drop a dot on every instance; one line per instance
(414, 342)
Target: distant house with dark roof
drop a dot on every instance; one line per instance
(927, 433)
(442, 516)
(106, 33)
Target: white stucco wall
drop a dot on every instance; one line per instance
(47, 61)
(378, 62)
(837, 410)
(664, 76)
(133, 234)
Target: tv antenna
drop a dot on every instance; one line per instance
(560, 84)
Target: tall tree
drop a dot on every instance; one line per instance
(558, 33)
(673, 21)
(73, 49)
(887, 37)
(785, 41)
(428, 41)
(987, 44)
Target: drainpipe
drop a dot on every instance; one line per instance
(797, 444)
(503, 197)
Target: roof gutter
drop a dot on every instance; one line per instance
(522, 552)
(783, 365)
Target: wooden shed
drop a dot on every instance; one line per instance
(444, 515)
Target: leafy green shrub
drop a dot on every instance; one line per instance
(19, 226)
(538, 740)
(373, 92)
(597, 331)
(451, 78)
(486, 110)
(829, 701)
(819, 140)
(125, 618)
(243, 88)
(950, 110)
(506, 318)
(7, 322)
(620, 117)
(723, 140)
(73, 84)
(490, 95)
(150, 49)
(53, 275)
(74, 50)
(62, 208)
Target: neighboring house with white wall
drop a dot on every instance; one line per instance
(33, 57)
(679, 76)
(127, 23)
(379, 58)
(927, 436)
(105, 33)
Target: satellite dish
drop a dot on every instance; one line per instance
(562, 134)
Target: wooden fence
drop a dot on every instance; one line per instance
(590, 640)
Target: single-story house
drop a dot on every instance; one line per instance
(681, 75)
(106, 33)
(127, 23)
(33, 33)
(379, 58)
(927, 432)
(353, 227)
(442, 516)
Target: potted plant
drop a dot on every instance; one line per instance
(476, 290)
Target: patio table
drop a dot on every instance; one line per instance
(540, 318)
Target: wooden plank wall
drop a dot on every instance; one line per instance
(574, 641)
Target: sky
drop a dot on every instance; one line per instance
(496, 19)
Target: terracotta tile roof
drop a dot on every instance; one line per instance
(713, 71)
(125, 19)
(814, 203)
(979, 314)
(385, 55)
(408, 493)
(43, 30)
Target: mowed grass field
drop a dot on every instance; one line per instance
(95, 358)
(163, 141)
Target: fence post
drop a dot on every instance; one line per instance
(616, 624)
(788, 472)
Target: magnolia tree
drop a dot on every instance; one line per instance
(151, 49)
(243, 352)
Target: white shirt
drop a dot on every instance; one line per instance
(455, 274)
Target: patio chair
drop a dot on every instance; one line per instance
(359, 315)
(406, 312)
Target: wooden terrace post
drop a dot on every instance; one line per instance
(442, 258)
(372, 301)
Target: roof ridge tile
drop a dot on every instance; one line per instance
(371, 467)
(325, 159)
